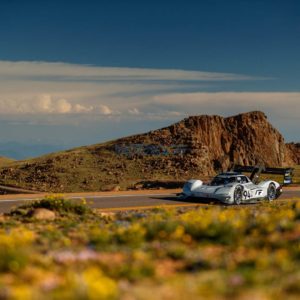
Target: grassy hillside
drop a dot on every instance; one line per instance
(92, 168)
(246, 252)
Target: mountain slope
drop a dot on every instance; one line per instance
(5, 160)
(196, 146)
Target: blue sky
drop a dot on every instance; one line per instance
(234, 55)
(259, 37)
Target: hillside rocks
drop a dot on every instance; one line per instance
(198, 146)
(294, 152)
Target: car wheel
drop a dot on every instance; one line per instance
(271, 193)
(238, 195)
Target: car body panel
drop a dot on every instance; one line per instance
(223, 186)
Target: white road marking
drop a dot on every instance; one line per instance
(88, 197)
(98, 197)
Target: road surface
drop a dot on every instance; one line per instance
(125, 200)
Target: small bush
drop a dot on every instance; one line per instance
(57, 204)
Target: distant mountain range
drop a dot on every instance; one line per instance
(197, 146)
(20, 151)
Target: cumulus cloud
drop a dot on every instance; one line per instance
(45, 104)
(104, 110)
(62, 106)
(78, 108)
(134, 111)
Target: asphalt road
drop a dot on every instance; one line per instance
(126, 201)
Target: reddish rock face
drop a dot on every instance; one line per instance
(214, 143)
(294, 152)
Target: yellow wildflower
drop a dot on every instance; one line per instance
(99, 286)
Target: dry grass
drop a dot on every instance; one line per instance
(297, 175)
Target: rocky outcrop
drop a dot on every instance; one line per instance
(215, 143)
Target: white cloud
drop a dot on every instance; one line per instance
(134, 111)
(78, 108)
(45, 104)
(60, 88)
(25, 69)
(280, 104)
(62, 106)
(39, 91)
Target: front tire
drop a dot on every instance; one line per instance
(271, 193)
(238, 195)
(183, 196)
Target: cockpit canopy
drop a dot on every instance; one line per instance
(225, 179)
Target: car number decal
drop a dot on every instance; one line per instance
(247, 194)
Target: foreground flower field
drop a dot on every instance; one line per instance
(246, 252)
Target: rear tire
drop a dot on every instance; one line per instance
(271, 193)
(238, 195)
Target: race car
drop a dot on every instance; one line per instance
(236, 188)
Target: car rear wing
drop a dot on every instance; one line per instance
(257, 170)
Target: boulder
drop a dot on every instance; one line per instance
(43, 214)
(116, 188)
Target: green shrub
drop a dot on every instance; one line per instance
(57, 204)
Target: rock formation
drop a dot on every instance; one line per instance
(215, 142)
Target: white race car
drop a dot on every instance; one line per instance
(232, 188)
